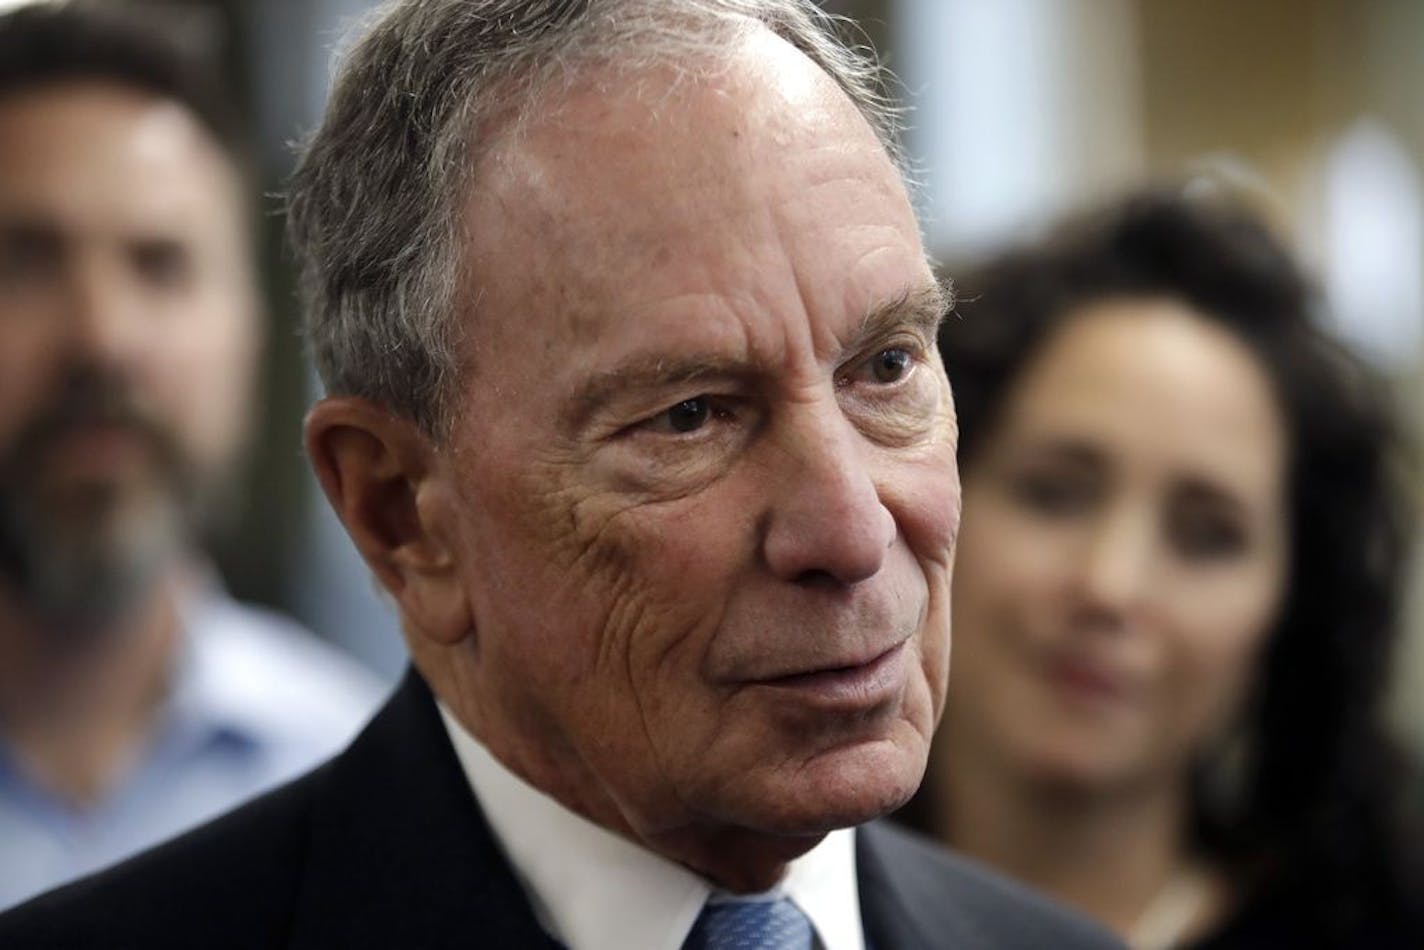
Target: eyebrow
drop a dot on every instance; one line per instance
(649, 373)
(1197, 488)
(22, 227)
(1069, 449)
(17, 228)
(921, 308)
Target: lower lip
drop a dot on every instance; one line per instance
(851, 689)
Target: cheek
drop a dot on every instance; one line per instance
(1214, 657)
(618, 608)
(610, 593)
(665, 632)
(201, 372)
(924, 496)
(27, 365)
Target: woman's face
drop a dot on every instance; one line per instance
(1123, 552)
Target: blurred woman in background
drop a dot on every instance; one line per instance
(1176, 592)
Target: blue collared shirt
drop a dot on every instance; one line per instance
(256, 700)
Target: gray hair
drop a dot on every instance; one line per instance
(374, 205)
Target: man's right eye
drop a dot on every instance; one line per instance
(687, 416)
(28, 257)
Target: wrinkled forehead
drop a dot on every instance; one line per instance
(651, 157)
(734, 57)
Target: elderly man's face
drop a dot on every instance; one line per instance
(127, 338)
(705, 459)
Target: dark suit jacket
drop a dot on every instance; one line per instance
(385, 847)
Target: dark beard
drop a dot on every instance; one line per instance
(81, 556)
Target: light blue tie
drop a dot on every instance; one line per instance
(751, 925)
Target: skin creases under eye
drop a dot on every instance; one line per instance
(681, 446)
(891, 393)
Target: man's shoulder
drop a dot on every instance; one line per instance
(232, 882)
(949, 900)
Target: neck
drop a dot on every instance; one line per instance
(1108, 855)
(75, 715)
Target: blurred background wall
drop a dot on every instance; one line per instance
(1021, 110)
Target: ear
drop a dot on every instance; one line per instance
(384, 479)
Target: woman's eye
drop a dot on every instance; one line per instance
(1053, 494)
(1203, 537)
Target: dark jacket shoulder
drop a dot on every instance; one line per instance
(916, 894)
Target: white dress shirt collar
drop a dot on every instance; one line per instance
(594, 890)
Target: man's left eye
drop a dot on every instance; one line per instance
(892, 365)
(885, 368)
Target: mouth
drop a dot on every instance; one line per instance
(95, 446)
(1086, 682)
(850, 688)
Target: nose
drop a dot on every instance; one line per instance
(827, 522)
(1113, 574)
(103, 315)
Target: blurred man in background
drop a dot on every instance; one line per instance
(135, 697)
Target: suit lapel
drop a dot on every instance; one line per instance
(400, 855)
(903, 903)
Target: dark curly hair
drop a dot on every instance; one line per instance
(1316, 812)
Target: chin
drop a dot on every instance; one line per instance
(1083, 773)
(841, 788)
